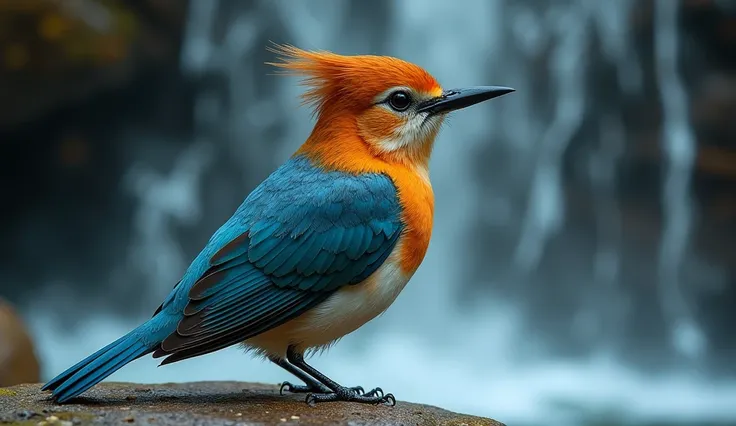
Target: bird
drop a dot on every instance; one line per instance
(320, 247)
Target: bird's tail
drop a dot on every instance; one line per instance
(104, 362)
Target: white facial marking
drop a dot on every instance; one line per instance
(417, 126)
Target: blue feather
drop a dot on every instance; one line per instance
(354, 248)
(109, 359)
(300, 236)
(275, 266)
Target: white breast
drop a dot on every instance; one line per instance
(344, 312)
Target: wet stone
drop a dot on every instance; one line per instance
(210, 403)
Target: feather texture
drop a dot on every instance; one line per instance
(354, 205)
(300, 236)
(344, 81)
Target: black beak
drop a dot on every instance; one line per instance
(455, 99)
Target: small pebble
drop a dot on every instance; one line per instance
(283, 420)
(294, 417)
(26, 414)
(130, 398)
(129, 419)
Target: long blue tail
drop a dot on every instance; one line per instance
(104, 362)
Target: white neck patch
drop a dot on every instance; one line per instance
(417, 127)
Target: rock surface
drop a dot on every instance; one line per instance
(208, 403)
(18, 362)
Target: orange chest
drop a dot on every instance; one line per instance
(417, 202)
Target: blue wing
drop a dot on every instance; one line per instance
(299, 237)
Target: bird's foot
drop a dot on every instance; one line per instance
(375, 396)
(319, 389)
(292, 388)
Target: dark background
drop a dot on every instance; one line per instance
(583, 254)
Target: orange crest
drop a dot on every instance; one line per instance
(349, 82)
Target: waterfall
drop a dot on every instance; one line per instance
(482, 358)
(678, 143)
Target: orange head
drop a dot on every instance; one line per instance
(382, 106)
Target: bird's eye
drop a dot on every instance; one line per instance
(400, 100)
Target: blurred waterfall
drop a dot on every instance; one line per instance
(678, 144)
(594, 319)
(503, 161)
(545, 212)
(162, 203)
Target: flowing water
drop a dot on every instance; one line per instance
(476, 359)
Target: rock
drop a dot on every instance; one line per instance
(208, 403)
(18, 362)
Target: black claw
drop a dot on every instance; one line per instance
(351, 395)
(389, 400)
(375, 392)
(348, 392)
(311, 400)
(286, 386)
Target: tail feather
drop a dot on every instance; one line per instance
(98, 370)
(101, 364)
(61, 378)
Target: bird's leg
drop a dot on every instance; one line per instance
(312, 385)
(338, 392)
